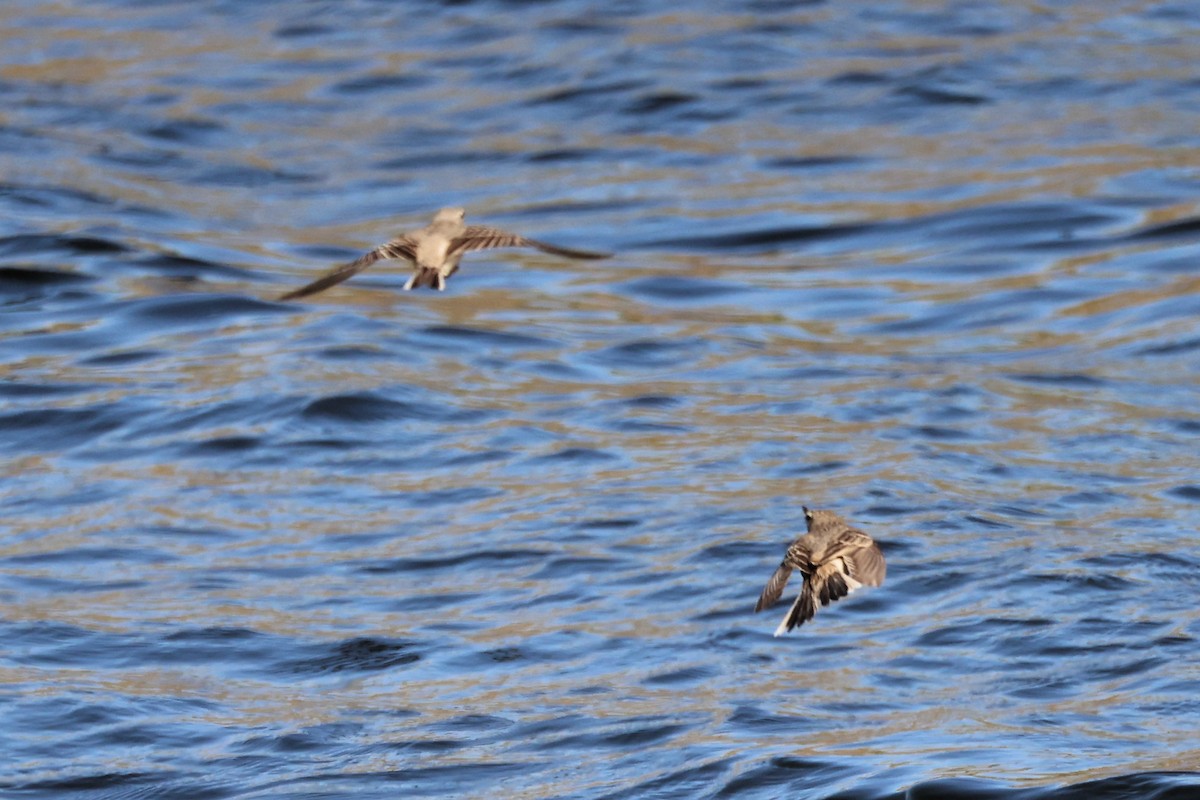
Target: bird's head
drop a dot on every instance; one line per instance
(820, 519)
(452, 214)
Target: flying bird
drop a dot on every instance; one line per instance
(434, 251)
(834, 559)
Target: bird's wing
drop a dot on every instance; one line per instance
(774, 588)
(800, 555)
(862, 557)
(403, 247)
(867, 566)
(483, 237)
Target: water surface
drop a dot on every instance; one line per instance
(932, 267)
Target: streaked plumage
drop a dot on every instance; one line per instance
(834, 559)
(434, 251)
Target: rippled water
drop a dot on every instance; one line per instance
(931, 265)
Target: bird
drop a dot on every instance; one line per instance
(434, 251)
(834, 558)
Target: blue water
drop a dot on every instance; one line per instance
(931, 265)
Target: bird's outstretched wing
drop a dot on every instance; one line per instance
(403, 247)
(862, 557)
(774, 588)
(484, 237)
(797, 557)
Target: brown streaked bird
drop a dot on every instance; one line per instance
(434, 251)
(834, 559)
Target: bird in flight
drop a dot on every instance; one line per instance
(834, 559)
(434, 251)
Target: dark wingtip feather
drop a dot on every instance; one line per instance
(303, 291)
(834, 588)
(569, 252)
(595, 256)
(312, 288)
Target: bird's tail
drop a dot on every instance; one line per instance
(801, 611)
